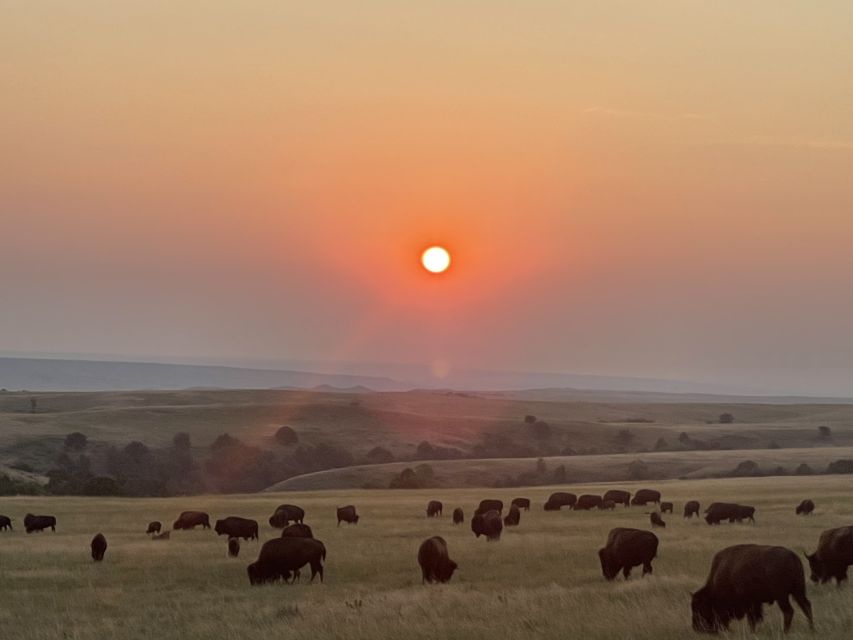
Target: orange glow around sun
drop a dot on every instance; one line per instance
(435, 259)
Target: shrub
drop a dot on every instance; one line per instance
(529, 419)
(804, 470)
(286, 436)
(76, 441)
(726, 418)
(379, 455)
(824, 432)
(840, 466)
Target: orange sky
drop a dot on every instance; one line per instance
(657, 188)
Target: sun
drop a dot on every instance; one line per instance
(435, 259)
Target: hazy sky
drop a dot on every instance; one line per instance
(635, 188)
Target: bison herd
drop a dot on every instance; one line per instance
(742, 578)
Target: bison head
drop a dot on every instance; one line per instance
(704, 617)
(608, 568)
(819, 569)
(445, 571)
(218, 528)
(477, 525)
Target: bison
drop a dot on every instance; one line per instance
(666, 507)
(625, 549)
(458, 515)
(513, 517)
(521, 503)
(297, 530)
(191, 519)
(99, 547)
(434, 508)
(347, 514)
(656, 520)
(587, 502)
(490, 505)
(233, 547)
(560, 499)
(645, 496)
(608, 505)
(742, 579)
(161, 536)
(833, 555)
(806, 507)
(154, 527)
(436, 565)
(39, 523)
(285, 514)
(236, 527)
(487, 524)
(6, 523)
(691, 508)
(618, 496)
(719, 511)
(280, 558)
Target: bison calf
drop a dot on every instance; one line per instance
(805, 508)
(627, 548)
(233, 547)
(436, 565)
(666, 507)
(154, 527)
(458, 515)
(99, 547)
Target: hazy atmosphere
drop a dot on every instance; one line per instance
(657, 189)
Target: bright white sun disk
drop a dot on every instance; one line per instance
(436, 259)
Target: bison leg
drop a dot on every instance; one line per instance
(316, 567)
(787, 612)
(754, 615)
(647, 568)
(626, 571)
(805, 606)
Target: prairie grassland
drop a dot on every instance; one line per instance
(542, 580)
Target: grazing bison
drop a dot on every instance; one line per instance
(513, 517)
(458, 515)
(487, 524)
(719, 511)
(742, 579)
(618, 496)
(806, 507)
(656, 520)
(434, 508)
(833, 555)
(436, 565)
(236, 527)
(285, 514)
(490, 505)
(154, 527)
(191, 519)
(297, 530)
(521, 503)
(625, 549)
(161, 536)
(560, 499)
(666, 507)
(280, 558)
(691, 508)
(5, 523)
(233, 547)
(608, 505)
(587, 502)
(39, 523)
(347, 514)
(99, 547)
(645, 496)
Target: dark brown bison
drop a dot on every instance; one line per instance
(656, 520)
(742, 579)
(618, 496)
(608, 505)
(297, 530)
(191, 519)
(99, 547)
(347, 514)
(436, 565)
(487, 524)
(666, 507)
(434, 508)
(719, 511)
(233, 547)
(513, 517)
(285, 514)
(154, 527)
(281, 558)
(236, 527)
(625, 549)
(587, 502)
(490, 505)
(39, 523)
(5, 523)
(521, 503)
(645, 496)
(560, 499)
(833, 555)
(458, 515)
(691, 508)
(805, 508)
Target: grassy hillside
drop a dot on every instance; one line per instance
(541, 580)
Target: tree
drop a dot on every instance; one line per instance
(840, 466)
(407, 479)
(541, 467)
(33, 405)
(529, 419)
(824, 432)
(726, 418)
(661, 444)
(101, 486)
(747, 468)
(425, 473)
(379, 455)
(76, 441)
(560, 475)
(286, 436)
(223, 442)
(683, 438)
(804, 470)
(136, 451)
(425, 451)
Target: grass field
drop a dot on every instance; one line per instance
(542, 580)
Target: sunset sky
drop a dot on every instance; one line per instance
(659, 189)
